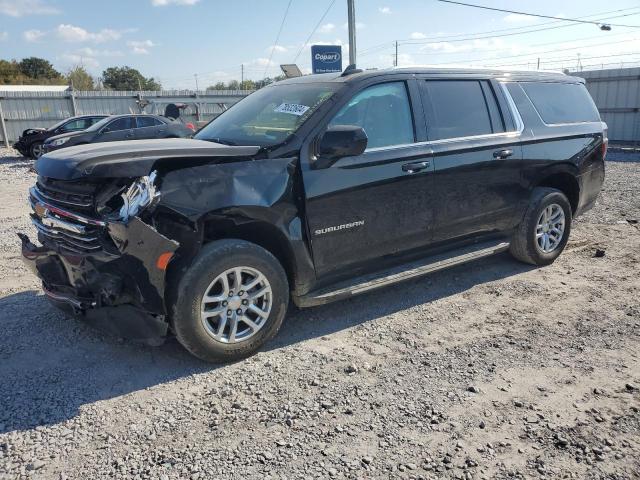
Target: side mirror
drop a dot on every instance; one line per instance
(341, 141)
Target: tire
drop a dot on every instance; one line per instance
(206, 276)
(35, 150)
(525, 245)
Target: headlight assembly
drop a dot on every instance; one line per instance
(59, 141)
(119, 202)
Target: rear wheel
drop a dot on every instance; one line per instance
(230, 302)
(36, 150)
(543, 233)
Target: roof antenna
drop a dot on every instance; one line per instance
(350, 70)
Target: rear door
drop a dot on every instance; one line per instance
(475, 138)
(121, 128)
(369, 206)
(148, 127)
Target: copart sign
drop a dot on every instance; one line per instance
(326, 58)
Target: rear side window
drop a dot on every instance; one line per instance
(562, 102)
(147, 122)
(462, 108)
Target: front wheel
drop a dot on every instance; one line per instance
(544, 231)
(36, 150)
(230, 302)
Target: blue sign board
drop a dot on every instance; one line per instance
(326, 58)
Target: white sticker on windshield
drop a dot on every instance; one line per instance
(292, 108)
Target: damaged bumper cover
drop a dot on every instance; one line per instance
(117, 285)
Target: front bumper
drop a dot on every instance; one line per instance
(120, 291)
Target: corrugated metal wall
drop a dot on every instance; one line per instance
(22, 110)
(617, 96)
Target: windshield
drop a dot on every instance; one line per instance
(268, 116)
(98, 125)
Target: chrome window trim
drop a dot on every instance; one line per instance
(519, 124)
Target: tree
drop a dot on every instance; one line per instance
(127, 78)
(10, 72)
(80, 79)
(248, 85)
(233, 85)
(39, 68)
(217, 86)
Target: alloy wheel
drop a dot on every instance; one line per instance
(550, 228)
(236, 305)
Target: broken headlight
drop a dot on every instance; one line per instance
(126, 202)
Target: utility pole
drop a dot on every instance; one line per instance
(195, 75)
(395, 62)
(241, 75)
(351, 13)
(538, 64)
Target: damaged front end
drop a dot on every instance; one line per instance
(101, 258)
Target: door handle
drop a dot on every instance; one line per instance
(416, 166)
(502, 154)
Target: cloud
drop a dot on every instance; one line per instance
(263, 62)
(384, 10)
(517, 18)
(4, 36)
(75, 59)
(327, 28)
(72, 33)
(33, 35)
(277, 49)
(164, 3)
(418, 36)
(19, 8)
(141, 47)
(92, 52)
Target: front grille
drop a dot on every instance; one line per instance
(74, 195)
(63, 216)
(66, 237)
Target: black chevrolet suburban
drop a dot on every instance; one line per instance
(313, 189)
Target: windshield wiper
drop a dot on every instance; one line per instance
(220, 140)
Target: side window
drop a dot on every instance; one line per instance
(74, 125)
(562, 102)
(462, 108)
(383, 111)
(93, 120)
(147, 122)
(123, 123)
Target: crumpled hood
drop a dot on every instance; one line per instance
(131, 158)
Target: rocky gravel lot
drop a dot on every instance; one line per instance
(490, 370)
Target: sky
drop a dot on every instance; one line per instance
(179, 42)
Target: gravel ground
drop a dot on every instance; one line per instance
(490, 370)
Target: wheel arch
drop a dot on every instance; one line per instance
(567, 183)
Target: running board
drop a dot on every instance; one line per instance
(400, 274)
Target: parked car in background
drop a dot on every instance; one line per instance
(121, 127)
(30, 142)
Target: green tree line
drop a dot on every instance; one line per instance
(245, 85)
(38, 71)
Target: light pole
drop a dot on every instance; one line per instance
(352, 31)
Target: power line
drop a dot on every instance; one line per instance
(574, 20)
(483, 35)
(537, 53)
(275, 44)
(314, 30)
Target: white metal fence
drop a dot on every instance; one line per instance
(22, 110)
(617, 96)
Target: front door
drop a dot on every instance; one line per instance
(119, 129)
(380, 203)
